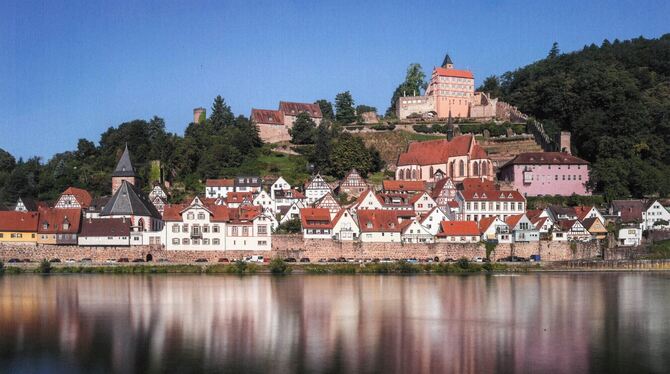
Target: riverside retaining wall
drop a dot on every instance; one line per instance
(295, 246)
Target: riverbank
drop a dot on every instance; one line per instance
(280, 267)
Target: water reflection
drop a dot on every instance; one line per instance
(471, 324)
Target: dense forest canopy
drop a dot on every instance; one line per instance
(614, 98)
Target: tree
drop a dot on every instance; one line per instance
(414, 84)
(491, 85)
(7, 161)
(554, 51)
(221, 114)
(344, 104)
(85, 148)
(326, 109)
(303, 129)
(349, 152)
(322, 148)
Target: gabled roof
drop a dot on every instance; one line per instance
(219, 182)
(266, 116)
(491, 195)
(439, 151)
(54, 219)
(629, 210)
(582, 211)
(486, 222)
(589, 222)
(567, 224)
(513, 220)
(11, 220)
(406, 186)
(456, 73)
(29, 203)
(129, 200)
(239, 197)
(458, 228)
(105, 227)
(439, 186)
(538, 221)
(378, 220)
(124, 168)
(315, 218)
(243, 214)
(533, 213)
(83, 197)
(477, 183)
(546, 158)
(293, 109)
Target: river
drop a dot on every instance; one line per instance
(542, 323)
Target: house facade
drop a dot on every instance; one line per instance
(547, 174)
(58, 226)
(104, 232)
(458, 232)
(219, 187)
(353, 184)
(477, 204)
(655, 216)
(18, 227)
(316, 189)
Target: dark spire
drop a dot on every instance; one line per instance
(447, 61)
(124, 168)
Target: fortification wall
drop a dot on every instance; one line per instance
(295, 246)
(273, 133)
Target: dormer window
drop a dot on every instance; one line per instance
(45, 226)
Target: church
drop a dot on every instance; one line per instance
(434, 160)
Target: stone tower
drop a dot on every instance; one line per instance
(197, 112)
(447, 63)
(124, 171)
(564, 142)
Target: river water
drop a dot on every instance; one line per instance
(546, 323)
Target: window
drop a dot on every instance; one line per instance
(205, 241)
(175, 241)
(189, 216)
(184, 241)
(215, 228)
(201, 215)
(216, 241)
(262, 230)
(245, 231)
(184, 227)
(175, 228)
(196, 241)
(262, 242)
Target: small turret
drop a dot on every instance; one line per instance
(124, 171)
(447, 63)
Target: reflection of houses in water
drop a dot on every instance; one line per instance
(313, 323)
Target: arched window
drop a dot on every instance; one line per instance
(140, 224)
(430, 174)
(475, 168)
(414, 174)
(421, 173)
(485, 168)
(451, 169)
(461, 168)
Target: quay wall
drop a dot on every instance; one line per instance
(295, 246)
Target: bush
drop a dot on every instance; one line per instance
(463, 263)
(381, 127)
(44, 267)
(487, 266)
(2, 267)
(279, 266)
(239, 266)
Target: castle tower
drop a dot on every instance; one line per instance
(447, 63)
(197, 113)
(124, 171)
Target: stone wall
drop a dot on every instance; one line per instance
(273, 133)
(295, 246)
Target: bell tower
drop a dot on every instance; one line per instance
(124, 171)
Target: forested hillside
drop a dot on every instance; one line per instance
(614, 98)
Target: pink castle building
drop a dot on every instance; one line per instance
(547, 173)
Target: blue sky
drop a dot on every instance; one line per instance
(70, 69)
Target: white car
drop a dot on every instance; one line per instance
(478, 259)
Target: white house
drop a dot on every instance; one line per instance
(523, 230)
(458, 232)
(630, 236)
(195, 226)
(248, 229)
(570, 229)
(279, 185)
(431, 220)
(219, 187)
(495, 229)
(345, 226)
(265, 201)
(655, 216)
(367, 200)
(475, 204)
(414, 232)
(316, 223)
(293, 212)
(316, 189)
(422, 202)
(107, 232)
(384, 226)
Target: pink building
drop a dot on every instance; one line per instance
(547, 173)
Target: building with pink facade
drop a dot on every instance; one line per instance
(547, 173)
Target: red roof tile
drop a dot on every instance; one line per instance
(454, 73)
(239, 197)
(18, 221)
(546, 158)
(478, 183)
(55, 218)
(315, 218)
(434, 152)
(407, 186)
(219, 182)
(83, 197)
(512, 220)
(105, 227)
(266, 116)
(293, 109)
(459, 228)
(377, 220)
(485, 223)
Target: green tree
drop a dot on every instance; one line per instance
(303, 129)
(322, 148)
(554, 51)
(326, 109)
(491, 85)
(414, 84)
(221, 114)
(349, 152)
(344, 105)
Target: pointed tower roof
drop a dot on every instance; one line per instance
(129, 200)
(124, 168)
(447, 61)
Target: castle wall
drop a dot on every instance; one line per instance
(273, 133)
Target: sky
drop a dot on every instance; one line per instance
(71, 69)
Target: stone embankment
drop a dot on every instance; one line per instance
(295, 246)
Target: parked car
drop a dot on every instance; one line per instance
(201, 260)
(123, 259)
(138, 260)
(386, 260)
(224, 260)
(163, 260)
(332, 260)
(27, 260)
(290, 259)
(70, 261)
(341, 259)
(322, 260)
(266, 260)
(13, 260)
(449, 259)
(304, 259)
(110, 261)
(55, 260)
(86, 260)
(477, 259)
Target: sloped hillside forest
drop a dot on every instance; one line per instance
(615, 99)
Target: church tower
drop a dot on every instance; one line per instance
(447, 64)
(124, 171)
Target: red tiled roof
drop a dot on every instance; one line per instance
(439, 186)
(629, 210)
(478, 183)
(512, 220)
(220, 182)
(105, 227)
(454, 73)
(241, 214)
(491, 195)
(534, 213)
(566, 224)
(380, 220)
(18, 221)
(546, 158)
(459, 228)
(452, 204)
(315, 218)
(54, 219)
(399, 185)
(172, 212)
(238, 197)
(538, 221)
(582, 211)
(266, 116)
(293, 109)
(83, 197)
(485, 223)
(439, 151)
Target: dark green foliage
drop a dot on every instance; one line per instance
(292, 226)
(541, 202)
(381, 127)
(491, 86)
(326, 109)
(463, 263)
(279, 266)
(303, 130)
(44, 267)
(2, 267)
(322, 148)
(349, 152)
(344, 106)
(490, 247)
(414, 84)
(615, 99)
